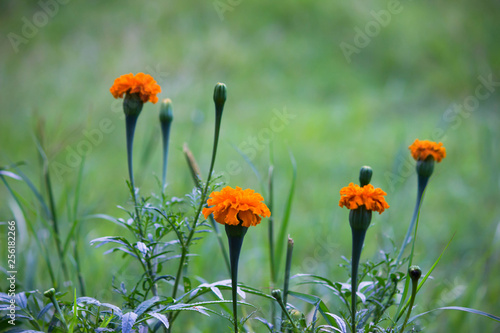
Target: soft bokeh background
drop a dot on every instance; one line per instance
(409, 80)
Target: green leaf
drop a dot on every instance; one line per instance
(74, 319)
(128, 321)
(110, 239)
(313, 300)
(160, 317)
(282, 235)
(427, 275)
(144, 306)
(10, 174)
(459, 308)
(187, 284)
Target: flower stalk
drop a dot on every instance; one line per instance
(166, 118)
(235, 235)
(220, 95)
(361, 200)
(51, 294)
(414, 272)
(426, 153)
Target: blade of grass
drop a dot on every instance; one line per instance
(32, 230)
(459, 308)
(53, 212)
(281, 240)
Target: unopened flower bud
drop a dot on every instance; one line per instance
(365, 175)
(166, 114)
(276, 293)
(50, 293)
(415, 272)
(220, 94)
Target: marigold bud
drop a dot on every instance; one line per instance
(276, 293)
(50, 293)
(365, 175)
(166, 114)
(415, 272)
(220, 94)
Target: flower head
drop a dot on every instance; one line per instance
(354, 196)
(232, 206)
(420, 150)
(142, 84)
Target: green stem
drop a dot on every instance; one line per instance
(235, 243)
(130, 123)
(412, 301)
(283, 309)
(195, 173)
(358, 238)
(165, 129)
(422, 183)
(58, 309)
(185, 248)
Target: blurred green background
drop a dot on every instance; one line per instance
(417, 70)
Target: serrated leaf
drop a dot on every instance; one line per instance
(144, 306)
(128, 321)
(44, 310)
(217, 292)
(10, 174)
(110, 239)
(21, 300)
(342, 327)
(160, 317)
(116, 310)
(459, 308)
(88, 300)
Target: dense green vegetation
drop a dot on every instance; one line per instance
(413, 79)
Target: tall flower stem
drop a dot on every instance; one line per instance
(235, 235)
(422, 184)
(358, 238)
(165, 122)
(414, 273)
(219, 100)
(195, 173)
(130, 123)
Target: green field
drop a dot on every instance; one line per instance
(427, 70)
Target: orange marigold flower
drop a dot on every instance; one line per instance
(420, 150)
(142, 84)
(354, 196)
(230, 206)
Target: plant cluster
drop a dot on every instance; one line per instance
(161, 229)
